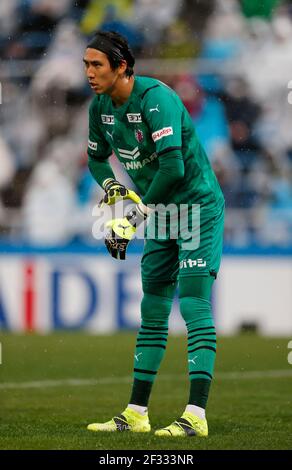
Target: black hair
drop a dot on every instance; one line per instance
(116, 47)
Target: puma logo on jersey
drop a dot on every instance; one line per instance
(110, 134)
(162, 133)
(154, 109)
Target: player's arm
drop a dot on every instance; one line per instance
(165, 127)
(99, 152)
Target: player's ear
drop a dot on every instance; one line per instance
(123, 67)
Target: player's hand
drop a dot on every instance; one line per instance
(121, 231)
(115, 191)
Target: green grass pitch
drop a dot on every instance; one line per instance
(52, 386)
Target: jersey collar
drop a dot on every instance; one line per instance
(122, 109)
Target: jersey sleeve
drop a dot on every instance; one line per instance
(163, 116)
(98, 150)
(98, 147)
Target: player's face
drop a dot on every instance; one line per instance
(101, 77)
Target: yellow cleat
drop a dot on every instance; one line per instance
(187, 425)
(129, 420)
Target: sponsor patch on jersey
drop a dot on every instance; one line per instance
(107, 119)
(162, 133)
(92, 145)
(139, 135)
(192, 263)
(135, 117)
(137, 165)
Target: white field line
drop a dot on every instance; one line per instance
(244, 375)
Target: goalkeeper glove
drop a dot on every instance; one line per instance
(115, 191)
(121, 231)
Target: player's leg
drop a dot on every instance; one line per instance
(195, 307)
(151, 339)
(159, 269)
(159, 272)
(198, 269)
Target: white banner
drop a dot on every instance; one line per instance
(97, 294)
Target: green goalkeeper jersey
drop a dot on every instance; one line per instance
(151, 125)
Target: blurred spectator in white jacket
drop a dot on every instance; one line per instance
(6, 164)
(49, 206)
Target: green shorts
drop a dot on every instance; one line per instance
(185, 248)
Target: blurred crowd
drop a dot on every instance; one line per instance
(235, 83)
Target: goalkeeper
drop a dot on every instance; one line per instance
(147, 126)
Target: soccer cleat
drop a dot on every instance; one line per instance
(187, 425)
(129, 420)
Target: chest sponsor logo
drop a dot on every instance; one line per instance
(137, 165)
(92, 145)
(107, 119)
(129, 154)
(136, 117)
(162, 133)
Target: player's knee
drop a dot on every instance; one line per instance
(194, 298)
(196, 311)
(155, 310)
(156, 303)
